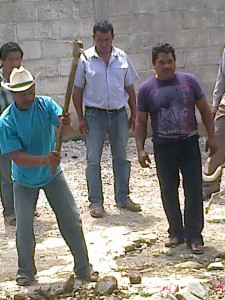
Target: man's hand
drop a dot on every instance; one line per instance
(211, 145)
(53, 158)
(144, 159)
(214, 111)
(83, 126)
(65, 120)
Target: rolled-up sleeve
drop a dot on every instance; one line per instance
(219, 89)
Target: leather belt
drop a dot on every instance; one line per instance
(106, 110)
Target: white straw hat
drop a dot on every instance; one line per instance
(20, 80)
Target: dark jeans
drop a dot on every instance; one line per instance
(171, 160)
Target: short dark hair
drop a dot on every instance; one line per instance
(162, 47)
(9, 47)
(103, 26)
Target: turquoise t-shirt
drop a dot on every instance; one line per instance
(30, 131)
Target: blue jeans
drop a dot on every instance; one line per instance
(61, 200)
(6, 185)
(171, 159)
(115, 123)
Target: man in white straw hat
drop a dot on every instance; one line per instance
(11, 56)
(27, 133)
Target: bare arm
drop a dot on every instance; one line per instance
(132, 104)
(78, 104)
(140, 137)
(207, 119)
(28, 160)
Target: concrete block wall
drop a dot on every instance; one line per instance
(196, 28)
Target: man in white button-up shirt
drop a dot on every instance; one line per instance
(103, 86)
(212, 185)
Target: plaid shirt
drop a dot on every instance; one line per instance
(5, 96)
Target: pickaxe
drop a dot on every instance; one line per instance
(77, 50)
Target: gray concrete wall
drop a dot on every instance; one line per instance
(196, 28)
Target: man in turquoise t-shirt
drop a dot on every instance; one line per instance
(27, 133)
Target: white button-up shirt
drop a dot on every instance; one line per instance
(219, 89)
(104, 86)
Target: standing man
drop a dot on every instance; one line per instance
(218, 108)
(27, 134)
(170, 97)
(104, 85)
(11, 56)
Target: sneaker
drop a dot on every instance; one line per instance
(130, 205)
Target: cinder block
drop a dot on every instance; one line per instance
(32, 49)
(122, 24)
(140, 61)
(57, 10)
(56, 48)
(216, 36)
(48, 67)
(140, 42)
(65, 66)
(209, 73)
(70, 29)
(17, 12)
(201, 19)
(121, 8)
(55, 85)
(86, 27)
(86, 9)
(101, 9)
(7, 33)
(193, 38)
(146, 7)
(122, 42)
(215, 5)
(186, 5)
(34, 31)
(210, 55)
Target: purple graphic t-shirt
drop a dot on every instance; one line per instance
(171, 105)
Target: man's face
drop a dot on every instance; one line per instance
(12, 60)
(165, 66)
(24, 100)
(103, 42)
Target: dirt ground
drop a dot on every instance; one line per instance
(119, 244)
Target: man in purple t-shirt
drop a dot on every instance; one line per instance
(170, 97)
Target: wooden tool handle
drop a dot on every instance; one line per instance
(77, 48)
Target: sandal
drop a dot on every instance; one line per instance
(23, 280)
(173, 242)
(96, 210)
(10, 220)
(89, 275)
(196, 248)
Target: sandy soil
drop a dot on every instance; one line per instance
(120, 243)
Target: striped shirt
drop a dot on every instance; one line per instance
(5, 96)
